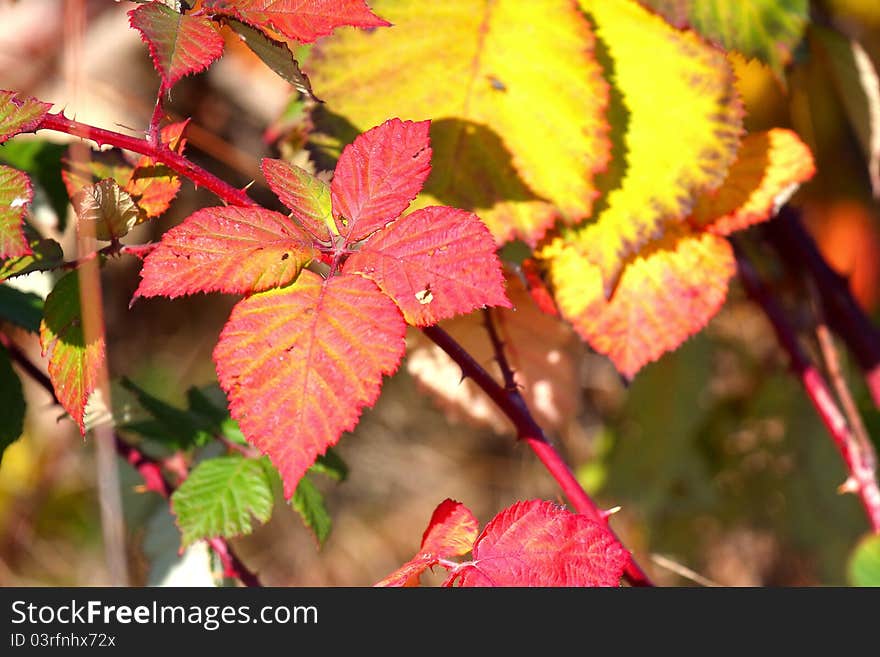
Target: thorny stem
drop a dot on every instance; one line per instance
(159, 152)
(514, 407)
(787, 234)
(862, 476)
(146, 466)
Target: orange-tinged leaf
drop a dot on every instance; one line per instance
(19, 113)
(769, 168)
(307, 196)
(15, 197)
(665, 295)
(226, 249)
(536, 543)
(450, 533)
(74, 364)
(543, 351)
(153, 185)
(677, 126)
(378, 175)
(180, 44)
(434, 263)
(300, 363)
(303, 20)
(514, 91)
(108, 207)
(77, 173)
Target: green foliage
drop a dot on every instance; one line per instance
(864, 563)
(24, 309)
(309, 504)
(222, 497)
(12, 399)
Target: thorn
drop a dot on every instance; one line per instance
(248, 186)
(609, 512)
(463, 377)
(848, 486)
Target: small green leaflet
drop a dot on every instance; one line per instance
(223, 496)
(309, 503)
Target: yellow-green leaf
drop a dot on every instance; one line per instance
(676, 121)
(514, 92)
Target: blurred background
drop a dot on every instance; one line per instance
(716, 458)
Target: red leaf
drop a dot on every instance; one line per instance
(434, 263)
(378, 175)
(15, 196)
(300, 363)
(154, 186)
(19, 114)
(306, 195)
(537, 543)
(450, 533)
(303, 20)
(229, 249)
(179, 44)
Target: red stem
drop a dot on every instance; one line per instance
(862, 477)
(159, 152)
(528, 430)
(845, 317)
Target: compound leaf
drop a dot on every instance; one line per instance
(180, 44)
(302, 20)
(221, 497)
(434, 263)
(299, 364)
(537, 543)
(74, 363)
(226, 249)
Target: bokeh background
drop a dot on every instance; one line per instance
(717, 460)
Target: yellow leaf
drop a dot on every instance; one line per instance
(665, 295)
(676, 120)
(769, 168)
(514, 91)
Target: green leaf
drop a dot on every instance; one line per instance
(765, 29)
(309, 503)
(42, 160)
(180, 428)
(45, 254)
(24, 309)
(275, 54)
(222, 497)
(12, 400)
(864, 563)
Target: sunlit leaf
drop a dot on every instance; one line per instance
(15, 197)
(299, 364)
(378, 175)
(19, 113)
(766, 29)
(451, 532)
(308, 502)
(180, 44)
(45, 254)
(863, 568)
(222, 496)
(154, 185)
(303, 20)
(537, 543)
(225, 249)
(667, 149)
(74, 364)
(514, 92)
(435, 263)
(306, 195)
